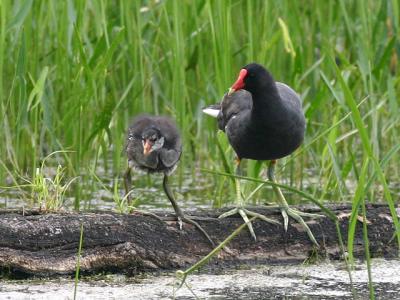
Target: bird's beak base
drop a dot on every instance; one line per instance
(146, 147)
(239, 84)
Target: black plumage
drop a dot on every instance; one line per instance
(263, 120)
(154, 145)
(164, 138)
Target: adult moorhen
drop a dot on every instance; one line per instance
(154, 145)
(263, 120)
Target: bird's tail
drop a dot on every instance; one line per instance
(212, 110)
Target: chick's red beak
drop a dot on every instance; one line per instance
(239, 84)
(146, 147)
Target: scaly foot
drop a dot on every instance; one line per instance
(243, 212)
(288, 211)
(297, 215)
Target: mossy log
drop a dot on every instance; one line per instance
(35, 243)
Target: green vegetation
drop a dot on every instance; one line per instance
(78, 262)
(74, 73)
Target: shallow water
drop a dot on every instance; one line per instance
(321, 281)
(192, 191)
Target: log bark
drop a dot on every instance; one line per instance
(34, 243)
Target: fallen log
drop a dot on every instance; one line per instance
(46, 244)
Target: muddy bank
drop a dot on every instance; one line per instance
(45, 244)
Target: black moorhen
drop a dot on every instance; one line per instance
(154, 145)
(263, 120)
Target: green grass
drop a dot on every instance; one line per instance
(78, 262)
(74, 73)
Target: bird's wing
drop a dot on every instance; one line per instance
(170, 133)
(237, 103)
(169, 157)
(292, 99)
(230, 106)
(172, 149)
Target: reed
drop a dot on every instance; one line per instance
(73, 73)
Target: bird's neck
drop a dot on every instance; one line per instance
(266, 98)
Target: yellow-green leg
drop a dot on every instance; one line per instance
(286, 210)
(241, 210)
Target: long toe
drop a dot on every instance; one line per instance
(229, 213)
(244, 213)
(180, 223)
(295, 215)
(305, 214)
(197, 225)
(248, 223)
(260, 216)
